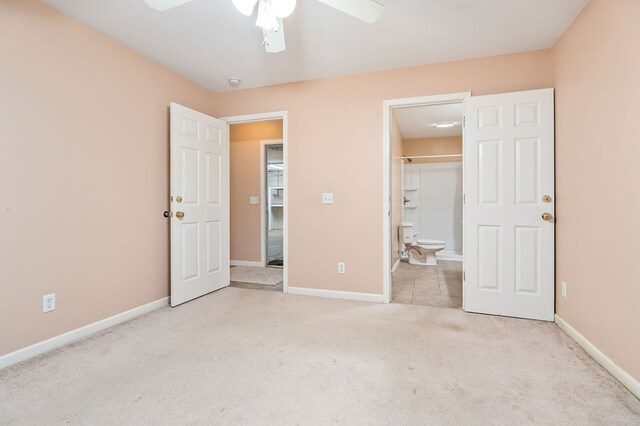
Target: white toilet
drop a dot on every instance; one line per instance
(421, 252)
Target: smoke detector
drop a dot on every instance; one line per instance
(234, 82)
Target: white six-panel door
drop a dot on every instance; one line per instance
(199, 181)
(508, 187)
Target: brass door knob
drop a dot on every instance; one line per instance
(178, 199)
(545, 216)
(179, 215)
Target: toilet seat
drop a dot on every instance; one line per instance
(420, 252)
(430, 242)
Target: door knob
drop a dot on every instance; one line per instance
(179, 214)
(545, 216)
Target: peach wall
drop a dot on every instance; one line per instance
(335, 145)
(245, 182)
(83, 173)
(597, 66)
(257, 130)
(396, 189)
(433, 146)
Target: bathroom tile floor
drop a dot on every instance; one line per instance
(428, 285)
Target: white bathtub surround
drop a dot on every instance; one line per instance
(434, 204)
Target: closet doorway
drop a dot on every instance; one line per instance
(258, 143)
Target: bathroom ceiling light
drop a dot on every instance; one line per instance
(445, 124)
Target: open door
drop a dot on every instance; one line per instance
(509, 204)
(199, 180)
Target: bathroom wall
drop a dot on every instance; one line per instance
(84, 171)
(434, 191)
(396, 189)
(245, 182)
(597, 65)
(438, 194)
(433, 146)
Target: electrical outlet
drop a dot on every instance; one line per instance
(563, 289)
(341, 267)
(254, 200)
(49, 302)
(327, 198)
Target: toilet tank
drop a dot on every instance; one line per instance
(406, 232)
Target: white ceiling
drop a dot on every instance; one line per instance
(417, 122)
(208, 41)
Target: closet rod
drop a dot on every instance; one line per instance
(414, 157)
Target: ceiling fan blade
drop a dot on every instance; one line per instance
(366, 10)
(163, 5)
(274, 39)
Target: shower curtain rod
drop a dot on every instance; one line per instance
(414, 157)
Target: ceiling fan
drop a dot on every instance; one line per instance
(271, 12)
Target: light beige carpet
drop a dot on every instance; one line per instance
(256, 275)
(254, 357)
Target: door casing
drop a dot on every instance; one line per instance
(265, 116)
(387, 107)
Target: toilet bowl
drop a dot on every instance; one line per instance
(421, 252)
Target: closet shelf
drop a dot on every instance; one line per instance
(409, 206)
(410, 189)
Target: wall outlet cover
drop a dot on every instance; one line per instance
(327, 198)
(254, 200)
(49, 302)
(341, 267)
(563, 289)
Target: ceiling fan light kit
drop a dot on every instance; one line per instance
(267, 19)
(271, 13)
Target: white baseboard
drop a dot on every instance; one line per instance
(393, 270)
(622, 376)
(78, 333)
(348, 295)
(246, 263)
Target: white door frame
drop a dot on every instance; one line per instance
(264, 219)
(387, 106)
(265, 116)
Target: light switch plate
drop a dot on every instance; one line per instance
(254, 200)
(327, 198)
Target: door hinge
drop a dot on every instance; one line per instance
(464, 121)
(464, 276)
(464, 198)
